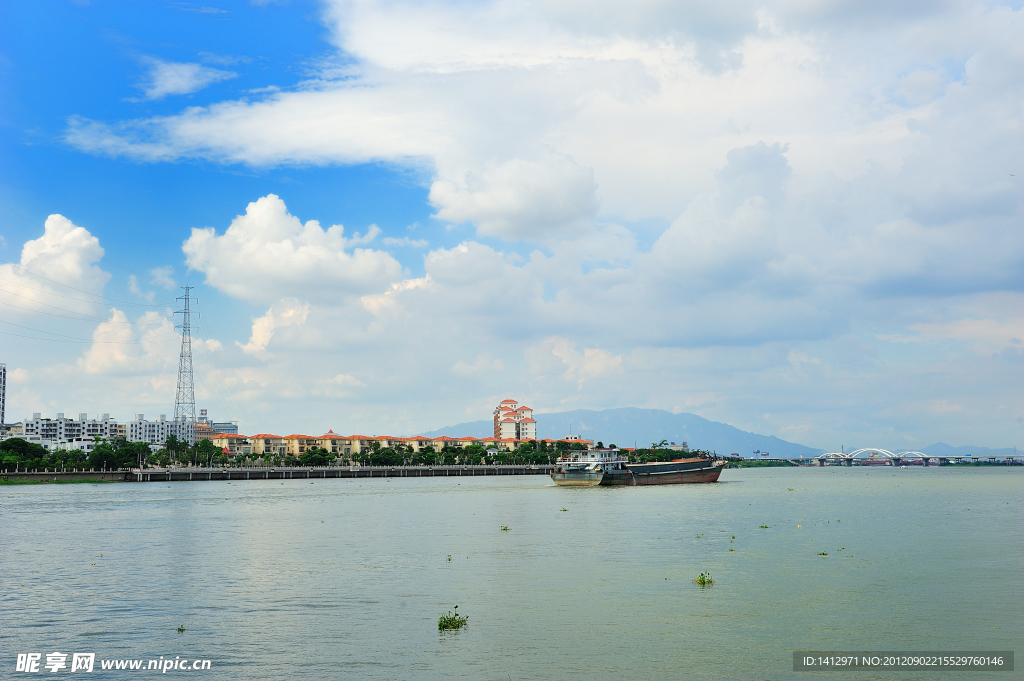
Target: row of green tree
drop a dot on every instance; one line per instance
(659, 452)
(19, 454)
(16, 453)
(533, 452)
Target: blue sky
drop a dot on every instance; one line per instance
(803, 219)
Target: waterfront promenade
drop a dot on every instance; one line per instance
(270, 473)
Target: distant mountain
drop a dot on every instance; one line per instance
(942, 449)
(630, 425)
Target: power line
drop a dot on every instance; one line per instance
(54, 293)
(53, 333)
(35, 223)
(20, 215)
(91, 302)
(236, 403)
(79, 318)
(71, 339)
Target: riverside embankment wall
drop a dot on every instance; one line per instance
(277, 473)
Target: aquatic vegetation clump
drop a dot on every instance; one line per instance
(504, 528)
(704, 579)
(452, 620)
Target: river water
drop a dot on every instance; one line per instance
(346, 578)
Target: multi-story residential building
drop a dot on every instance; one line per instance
(233, 443)
(3, 393)
(65, 433)
(203, 427)
(225, 427)
(268, 444)
(61, 428)
(296, 444)
(515, 422)
(334, 443)
(157, 432)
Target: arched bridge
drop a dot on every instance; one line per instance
(879, 456)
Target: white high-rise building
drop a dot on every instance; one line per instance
(65, 433)
(157, 432)
(513, 421)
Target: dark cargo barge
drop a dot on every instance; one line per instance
(664, 473)
(604, 467)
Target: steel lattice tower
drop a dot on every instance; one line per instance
(185, 398)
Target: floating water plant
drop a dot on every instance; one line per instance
(822, 553)
(790, 489)
(704, 579)
(564, 509)
(452, 621)
(732, 549)
(181, 629)
(449, 557)
(764, 527)
(504, 528)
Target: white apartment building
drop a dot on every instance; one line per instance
(157, 432)
(65, 429)
(65, 433)
(514, 421)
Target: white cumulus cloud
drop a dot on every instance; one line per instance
(268, 253)
(289, 312)
(63, 262)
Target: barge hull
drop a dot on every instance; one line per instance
(664, 474)
(577, 479)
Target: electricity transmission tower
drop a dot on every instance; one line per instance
(185, 398)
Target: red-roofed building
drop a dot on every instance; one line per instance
(514, 421)
(296, 444)
(233, 443)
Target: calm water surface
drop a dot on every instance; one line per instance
(346, 578)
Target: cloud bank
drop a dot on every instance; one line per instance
(816, 202)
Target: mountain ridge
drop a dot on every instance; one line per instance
(626, 426)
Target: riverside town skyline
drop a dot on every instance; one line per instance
(513, 426)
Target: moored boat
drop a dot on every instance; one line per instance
(607, 467)
(665, 472)
(584, 468)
